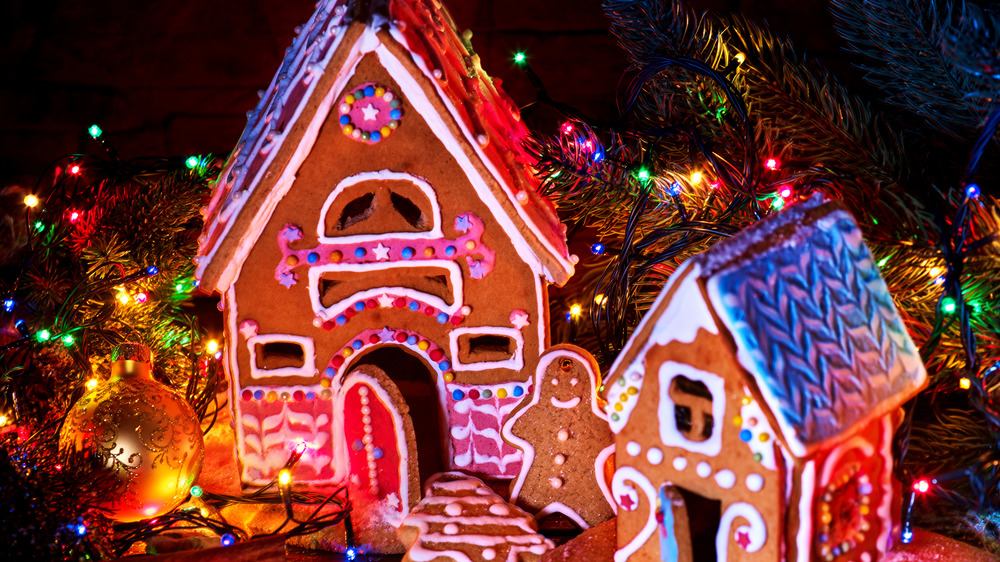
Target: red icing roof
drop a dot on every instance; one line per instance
(489, 118)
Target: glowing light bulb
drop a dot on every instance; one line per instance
(74, 216)
(31, 201)
(785, 191)
(519, 57)
(772, 164)
(642, 175)
(921, 486)
(3, 420)
(95, 131)
(123, 297)
(44, 335)
(777, 203)
(676, 189)
(972, 191)
(740, 57)
(696, 178)
(601, 299)
(141, 298)
(934, 271)
(212, 346)
(68, 340)
(8, 305)
(567, 128)
(196, 491)
(284, 477)
(597, 248)
(191, 162)
(74, 169)
(92, 384)
(351, 553)
(948, 305)
(965, 383)
(227, 539)
(575, 310)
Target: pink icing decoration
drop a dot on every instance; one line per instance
(369, 114)
(475, 433)
(271, 432)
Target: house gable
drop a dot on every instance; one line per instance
(305, 92)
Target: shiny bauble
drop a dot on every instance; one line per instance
(141, 433)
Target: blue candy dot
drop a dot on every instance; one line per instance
(310, 395)
(375, 136)
(377, 453)
(395, 114)
(414, 305)
(835, 551)
(442, 318)
(394, 103)
(357, 344)
(745, 436)
(449, 251)
(344, 119)
(359, 306)
(360, 94)
(407, 253)
(823, 538)
(258, 394)
(369, 91)
(444, 365)
(456, 395)
(359, 252)
(518, 391)
(313, 257)
(357, 445)
(341, 320)
(329, 371)
(412, 340)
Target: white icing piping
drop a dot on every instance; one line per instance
(617, 486)
(571, 403)
(382, 175)
(516, 362)
(308, 368)
(884, 509)
(756, 531)
(669, 434)
(803, 536)
(602, 483)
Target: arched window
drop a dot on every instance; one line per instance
(382, 204)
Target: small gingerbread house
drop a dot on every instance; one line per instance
(755, 406)
(382, 257)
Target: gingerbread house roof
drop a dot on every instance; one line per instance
(812, 319)
(296, 104)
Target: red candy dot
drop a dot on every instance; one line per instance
(473, 394)
(374, 338)
(456, 320)
(247, 395)
(349, 312)
(337, 361)
(430, 311)
(371, 303)
(436, 355)
(399, 303)
(400, 337)
(329, 325)
(299, 396)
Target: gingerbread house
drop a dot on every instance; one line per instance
(383, 259)
(755, 406)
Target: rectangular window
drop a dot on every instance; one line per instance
(281, 355)
(487, 347)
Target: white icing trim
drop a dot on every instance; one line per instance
(516, 361)
(571, 403)
(382, 175)
(403, 447)
(756, 531)
(559, 507)
(543, 308)
(830, 464)
(884, 509)
(602, 483)
(803, 537)
(617, 484)
(669, 434)
(308, 368)
(373, 270)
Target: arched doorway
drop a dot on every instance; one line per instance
(417, 383)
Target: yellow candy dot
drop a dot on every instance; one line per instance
(633, 390)
(272, 396)
(618, 406)
(324, 383)
(864, 509)
(349, 98)
(746, 400)
(448, 377)
(292, 261)
(422, 345)
(428, 251)
(738, 420)
(471, 244)
(336, 256)
(348, 129)
(825, 518)
(379, 91)
(501, 393)
(348, 352)
(385, 130)
(763, 437)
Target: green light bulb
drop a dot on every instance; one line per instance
(191, 162)
(948, 305)
(95, 131)
(43, 335)
(519, 57)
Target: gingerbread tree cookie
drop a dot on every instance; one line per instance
(462, 519)
(566, 441)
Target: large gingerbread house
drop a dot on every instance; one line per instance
(382, 257)
(755, 406)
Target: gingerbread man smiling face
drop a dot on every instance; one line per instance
(565, 439)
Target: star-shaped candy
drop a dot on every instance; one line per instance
(381, 252)
(626, 502)
(287, 279)
(385, 301)
(292, 233)
(519, 319)
(462, 223)
(248, 329)
(393, 500)
(385, 334)
(370, 112)
(476, 269)
(743, 539)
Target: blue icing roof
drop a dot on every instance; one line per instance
(817, 325)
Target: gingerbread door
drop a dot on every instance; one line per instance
(380, 444)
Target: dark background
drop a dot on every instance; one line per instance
(177, 77)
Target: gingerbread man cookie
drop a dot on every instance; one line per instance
(565, 439)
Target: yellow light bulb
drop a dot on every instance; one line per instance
(92, 384)
(740, 57)
(123, 298)
(284, 477)
(31, 201)
(212, 346)
(601, 299)
(965, 383)
(696, 178)
(934, 271)
(575, 310)
(3, 420)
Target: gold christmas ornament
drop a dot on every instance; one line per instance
(143, 433)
